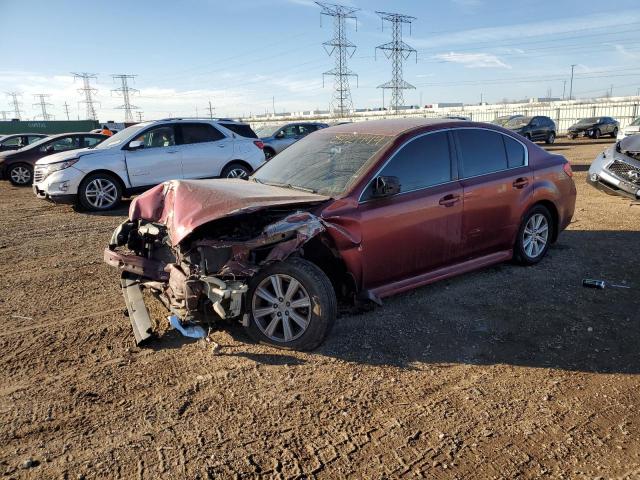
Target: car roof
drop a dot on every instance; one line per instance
(394, 126)
(21, 134)
(76, 133)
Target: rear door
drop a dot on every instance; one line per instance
(205, 150)
(159, 159)
(418, 229)
(497, 184)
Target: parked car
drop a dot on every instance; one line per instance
(359, 211)
(502, 121)
(17, 166)
(594, 127)
(18, 141)
(632, 129)
(617, 169)
(536, 129)
(276, 139)
(142, 156)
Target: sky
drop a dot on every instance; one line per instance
(249, 56)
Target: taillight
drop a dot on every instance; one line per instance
(567, 169)
(259, 144)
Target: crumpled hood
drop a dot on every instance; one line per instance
(184, 205)
(62, 156)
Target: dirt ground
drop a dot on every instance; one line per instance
(503, 373)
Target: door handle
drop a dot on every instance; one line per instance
(449, 200)
(520, 182)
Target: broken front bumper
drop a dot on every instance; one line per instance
(606, 174)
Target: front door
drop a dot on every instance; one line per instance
(497, 183)
(158, 160)
(417, 230)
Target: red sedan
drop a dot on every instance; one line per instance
(351, 213)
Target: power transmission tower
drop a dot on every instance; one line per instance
(4, 114)
(139, 113)
(88, 91)
(66, 109)
(397, 51)
(342, 49)
(43, 105)
(15, 104)
(125, 90)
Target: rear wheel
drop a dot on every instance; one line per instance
(20, 174)
(99, 191)
(269, 153)
(534, 236)
(550, 138)
(236, 170)
(292, 305)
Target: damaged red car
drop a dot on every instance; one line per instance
(352, 213)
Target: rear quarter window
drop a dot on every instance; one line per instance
(240, 129)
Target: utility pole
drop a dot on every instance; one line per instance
(43, 105)
(342, 49)
(273, 103)
(611, 91)
(139, 113)
(398, 51)
(15, 104)
(66, 109)
(126, 91)
(211, 110)
(88, 93)
(564, 88)
(571, 84)
(480, 98)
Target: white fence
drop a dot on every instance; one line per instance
(564, 113)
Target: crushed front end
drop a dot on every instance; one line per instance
(617, 169)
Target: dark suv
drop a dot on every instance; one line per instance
(536, 129)
(594, 127)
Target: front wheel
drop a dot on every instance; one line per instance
(20, 175)
(292, 305)
(99, 192)
(534, 236)
(614, 134)
(236, 170)
(596, 133)
(550, 138)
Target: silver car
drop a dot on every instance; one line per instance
(277, 138)
(617, 169)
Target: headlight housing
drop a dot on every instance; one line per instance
(54, 167)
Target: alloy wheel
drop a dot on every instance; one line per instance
(238, 173)
(20, 175)
(101, 193)
(535, 235)
(281, 308)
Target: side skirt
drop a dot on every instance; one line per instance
(440, 274)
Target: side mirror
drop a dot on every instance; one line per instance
(49, 149)
(386, 186)
(136, 145)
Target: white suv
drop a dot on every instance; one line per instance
(145, 155)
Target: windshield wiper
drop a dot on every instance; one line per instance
(287, 185)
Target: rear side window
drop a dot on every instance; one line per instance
(240, 129)
(515, 152)
(481, 151)
(423, 162)
(200, 133)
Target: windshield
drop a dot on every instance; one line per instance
(325, 162)
(518, 122)
(588, 120)
(636, 122)
(267, 131)
(121, 136)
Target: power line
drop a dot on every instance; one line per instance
(398, 51)
(342, 49)
(88, 92)
(42, 103)
(125, 90)
(66, 109)
(15, 104)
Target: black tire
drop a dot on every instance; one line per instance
(550, 138)
(596, 133)
(614, 134)
(528, 136)
(89, 202)
(520, 253)
(269, 153)
(321, 313)
(572, 137)
(233, 171)
(20, 174)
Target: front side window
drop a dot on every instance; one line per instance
(290, 131)
(158, 137)
(199, 133)
(64, 143)
(90, 142)
(423, 162)
(481, 151)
